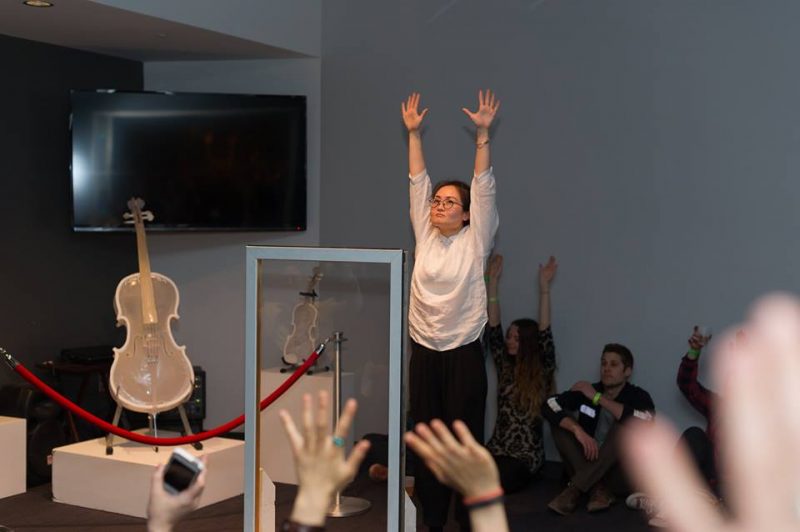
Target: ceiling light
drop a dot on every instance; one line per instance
(37, 3)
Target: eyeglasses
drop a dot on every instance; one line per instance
(446, 204)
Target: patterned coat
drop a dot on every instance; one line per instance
(517, 434)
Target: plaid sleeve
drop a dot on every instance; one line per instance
(697, 395)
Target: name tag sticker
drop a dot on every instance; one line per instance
(553, 404)
(588, 410)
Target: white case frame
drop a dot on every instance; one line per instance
(395, 259)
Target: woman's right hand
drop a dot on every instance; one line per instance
(412, 118)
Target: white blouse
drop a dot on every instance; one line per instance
(447, 307)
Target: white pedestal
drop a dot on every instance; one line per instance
(267, 503)
(84, 476)
(12, 458)
(276, 454)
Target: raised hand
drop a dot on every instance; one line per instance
(697, 340)
(462, 464)
(412, 118)
(546, 274)
(758, 368)
(319, 457)
(165, 509)
(487, 109)
(495, 267)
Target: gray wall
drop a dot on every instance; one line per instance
(650, 146)
(57, 286)
(209, 269)
(290, 24)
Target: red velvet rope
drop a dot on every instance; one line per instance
(149, 440)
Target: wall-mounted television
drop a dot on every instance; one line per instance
(201, 162)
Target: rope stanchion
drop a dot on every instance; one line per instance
(150, 440)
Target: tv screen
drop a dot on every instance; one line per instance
(201, 162)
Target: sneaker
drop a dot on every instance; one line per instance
(645, 503)
(600, 499)
(566, 501)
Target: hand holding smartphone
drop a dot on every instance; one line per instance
(181, 471)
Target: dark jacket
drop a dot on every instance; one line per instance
(637, 403)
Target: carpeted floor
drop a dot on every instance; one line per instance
(527, 511)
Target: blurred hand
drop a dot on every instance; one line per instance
(758, 367)
(463, 464)
(321, 466)
(165, 509)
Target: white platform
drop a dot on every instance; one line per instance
(84, 476)
(276, 455)
(12, 458)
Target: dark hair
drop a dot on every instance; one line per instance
(532, 382)
(463, 192)
(623, 352)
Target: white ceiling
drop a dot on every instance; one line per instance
(94, 27)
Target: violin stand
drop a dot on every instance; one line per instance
(342, 506)
(152, 429)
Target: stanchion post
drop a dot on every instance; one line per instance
(342, 506)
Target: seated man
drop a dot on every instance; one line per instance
(588, 446)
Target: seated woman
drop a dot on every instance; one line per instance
(526, 363)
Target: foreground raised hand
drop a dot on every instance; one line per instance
(165, 509)
(758, 370)
(466, 466)
(319, 458)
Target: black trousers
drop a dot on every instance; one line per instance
(702, 451)
(514, 473)
(446, 385)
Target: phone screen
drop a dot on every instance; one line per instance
(178, 474)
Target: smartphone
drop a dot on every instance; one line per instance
(181, 471)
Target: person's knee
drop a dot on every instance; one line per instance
(694, 437)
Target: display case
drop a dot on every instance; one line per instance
(296, 299)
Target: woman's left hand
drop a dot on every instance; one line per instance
(487, 109)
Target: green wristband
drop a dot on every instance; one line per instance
(494, 300)
(693, 354)
(596, 398)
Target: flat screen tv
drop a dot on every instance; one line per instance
(201, 162)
